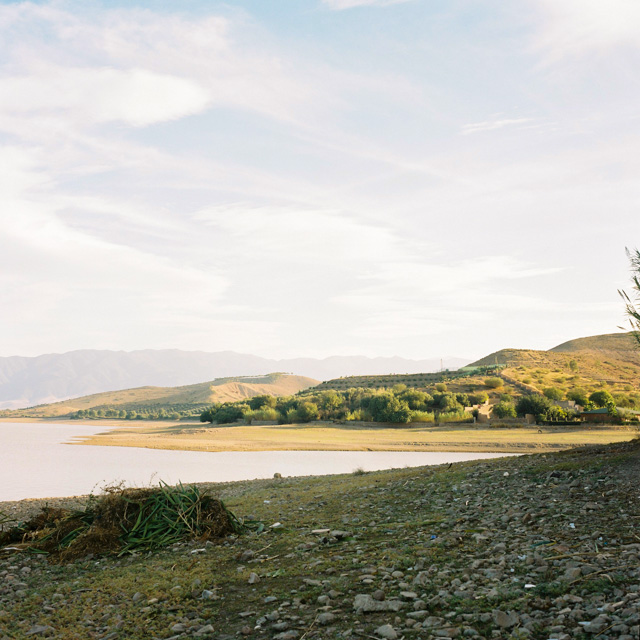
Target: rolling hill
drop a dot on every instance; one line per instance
(25, 382)
(609, 361)
(193, 396)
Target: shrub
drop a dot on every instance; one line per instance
(306, 412)
(505, 410)
(578, 395)
(533, 404)
(422, 416)
(417, 400)
(229, 414)
(446, 402)
(266, 413)
(493, 383)
(455, 416)
(385, 407)
(258, 402)
(441, 387)
(478, 398)
(553, 393)
(554, 412)
(602, 399)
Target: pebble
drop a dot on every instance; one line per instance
(520, 557)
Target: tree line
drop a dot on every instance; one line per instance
(398, 404)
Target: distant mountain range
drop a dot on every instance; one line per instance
(25, 382)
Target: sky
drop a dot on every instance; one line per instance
(422, 178)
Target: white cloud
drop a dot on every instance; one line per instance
(362, 277)
(308, 206)
(81, 284)
(574, 27)
(140, 67)
(93, 95)
(491, 125)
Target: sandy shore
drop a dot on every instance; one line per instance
(348, 437)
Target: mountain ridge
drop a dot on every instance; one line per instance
(195, 395)
(28, 381)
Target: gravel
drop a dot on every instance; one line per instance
(545, 547)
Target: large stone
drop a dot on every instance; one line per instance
(40, 630)
(326, 618)
(422, 578)
(364, 603)
(387, 631)
(505, 620)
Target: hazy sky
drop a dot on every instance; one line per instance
(420, 178)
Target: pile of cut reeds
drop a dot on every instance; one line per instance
(125, 520)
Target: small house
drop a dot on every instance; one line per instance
(602, 416)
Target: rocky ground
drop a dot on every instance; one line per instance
(540, 546)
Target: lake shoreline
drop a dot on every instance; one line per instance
(325, 436)
(523, 541)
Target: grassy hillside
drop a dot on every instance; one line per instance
(412, 380)
(622, 343)
(192, 397)
(608, 362)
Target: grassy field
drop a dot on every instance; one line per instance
(354, 437)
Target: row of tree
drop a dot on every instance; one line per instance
(143, 413)
(397, 405)
(545, 409)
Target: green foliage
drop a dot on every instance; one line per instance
(573, 365)
(534, 404)
(602, 398)
(505, 410)
(386, 407)
(417, 400)
(632, 302)
(553, 393)
(478, 398)
(225, 413)
(579, 396)
(493, 382)
(441, 387)
(422, 416)
(625, 401)
(554, 412)
(260, 402)
(266, 414)
(398, 404)
(446, 402)
(459, 415)
(306, 412)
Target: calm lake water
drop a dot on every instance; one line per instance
(36, 461)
